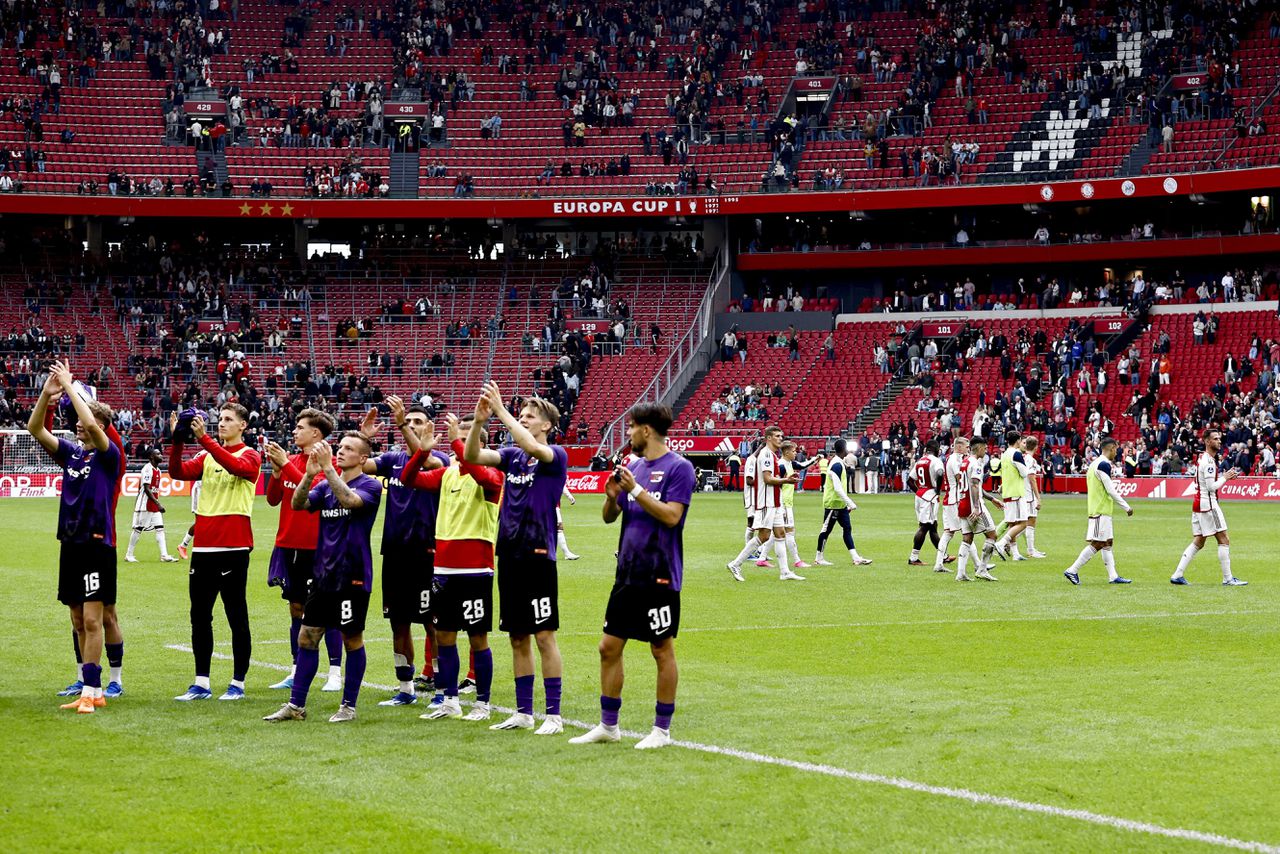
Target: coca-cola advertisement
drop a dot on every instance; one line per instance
(587, 481)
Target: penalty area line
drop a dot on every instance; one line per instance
(967, 795)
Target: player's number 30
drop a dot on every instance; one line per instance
(660, 618)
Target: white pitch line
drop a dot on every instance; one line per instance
(875, 624)
(968, 795)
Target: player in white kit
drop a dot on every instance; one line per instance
(769, 522)
(1206, 513)
(1031, 493)
(562, 545)
(973, 515)
(191, 532)
(148, 512)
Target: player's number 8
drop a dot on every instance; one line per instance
(660, 618)
(92, 582)
(346, 610)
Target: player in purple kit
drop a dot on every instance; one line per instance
(91, 467)
(347, 502)
(536, 473)
(652, 496)
(408, 539)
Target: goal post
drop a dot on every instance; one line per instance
(26, 469)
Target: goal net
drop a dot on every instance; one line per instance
(20, 453)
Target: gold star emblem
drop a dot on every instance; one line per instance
(266, 209)
(287, 210)
(244, 209)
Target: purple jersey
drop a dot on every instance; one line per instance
(530, 496)
(343, 554)
(86, 513)
(410, 521)
(648, 551)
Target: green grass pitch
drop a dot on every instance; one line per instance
(1146, 703)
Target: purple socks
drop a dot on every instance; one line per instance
(484, 674)
(447, 673)
(356, 661)
(609, 707)
(524, 694)
(662, 713)
(333, 643)
(92, 676)
(295, 628)
(307, 662)
(552, 686)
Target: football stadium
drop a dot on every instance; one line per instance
(812, 425)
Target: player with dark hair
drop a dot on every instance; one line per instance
(462, 592)
(974, 518)
(408, 539)
(769, 519)
(927, 475)
(347, 503)
(652, 495)
(293, 558)
(228, 470)
(91, 468)
(1206, 513)
(836, 505)
(1103, 498)
(528, 588)
(1013, 494)
(148, 512)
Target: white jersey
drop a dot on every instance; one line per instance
(150, 477)
(927, 474)
(748, 491)
(767, 496)
(1033, 471)
(1207, 484)
(957, 482)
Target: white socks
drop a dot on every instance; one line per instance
(792, 548)
(186, 540)
(1224, 558)
(237, 683)
(751, 535)
(164, 547)
(1086, 555)
(1188, 555)
(202, 682)
(116, 675)
(1031, 540)
(747, 551)
(963, 563)
(133, 542)
(915, 554)
(1109, 561)
(942, 549)
(561, 543)
(780, 549)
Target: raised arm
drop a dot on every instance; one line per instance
(36, 425)
(346, 496)
(474, 451)
(301, 500)
(97, 436)
(247, 465)
(413, 476)
(521, 436)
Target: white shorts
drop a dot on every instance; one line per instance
(978, 526)
(770, 518)
(1208, 523)
(951, 517)
(145, 521)
(1099, 529)
(788, 516)
(1015, 510)
(195, 495)
(1029, 510)
(926, 511)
